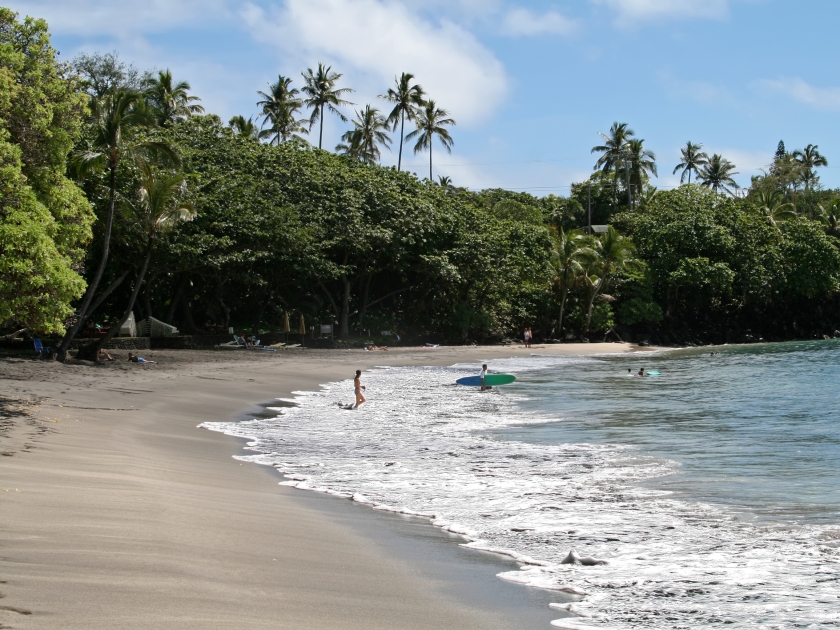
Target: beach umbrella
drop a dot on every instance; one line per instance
(302, 325)
(286, 327)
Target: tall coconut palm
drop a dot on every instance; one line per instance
(170, 103)
(159, 208)
(569, 251)
(368, 133)
(809, 158)
(114, 121)
(641, 161)
(279, 106)
(692, 160)
(431, 121)
(613, 152)
(771, 204)
(242, 127)
(609, 255)
(407, 99)
(717, 174)
(321, 93)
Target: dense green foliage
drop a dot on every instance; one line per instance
(45, 220)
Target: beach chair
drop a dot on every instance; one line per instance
(40, 348)
(238, 342)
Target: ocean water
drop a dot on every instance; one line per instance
(708, 495)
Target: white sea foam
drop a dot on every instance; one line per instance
(423, 446)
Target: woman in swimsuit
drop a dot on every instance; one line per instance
(357, 388)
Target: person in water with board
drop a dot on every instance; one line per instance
(357, 389)
(481, 376)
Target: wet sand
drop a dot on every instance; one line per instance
(117, 512)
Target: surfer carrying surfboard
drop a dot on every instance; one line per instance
(357, 389)
(482, 375)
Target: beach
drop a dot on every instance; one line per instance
(118, 512)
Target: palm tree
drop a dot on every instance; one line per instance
(113, 120)
(367, 134)
(569, 250)
(430, 123)
(648, 196)
(407, 99)
(809, 158)
(321, 93)
(171, 103)
(641, 162)
(613, 151)
(771, 203)
(718, 174)
(279, 107)
(242, 127)
(158, 210)
(692, 159)
(608, 256)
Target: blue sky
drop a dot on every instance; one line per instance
(530, 83)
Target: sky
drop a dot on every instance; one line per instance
(529, 83)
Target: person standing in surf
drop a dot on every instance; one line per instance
(481, 376)
(357, 389)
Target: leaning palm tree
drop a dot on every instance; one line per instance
(407, 99)
(279, 107)
(809, 158)
(368, 133)
(613, 152)
(569, 251)
(772, 205)
(430, 122)
(322, 94)
(607, 257)
(114, 120)
(242, 127)
(717, 174)
(641, 161)
(159, 208)
(692, 159)
(170, 103)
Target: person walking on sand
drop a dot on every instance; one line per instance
(527, 336)
(357, 389)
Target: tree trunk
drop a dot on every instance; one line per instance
(365, 294)
(402, 132)
(107, 292)
(61, 351)
(430, 160)
(321, 134)
(260, 312)
(173, 305)
(147, 299)
(344, 319)
(91, 351)
(562, 309)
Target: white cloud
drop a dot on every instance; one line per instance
(372, 41)
(799, 90)
(519, 22)
(643, 10)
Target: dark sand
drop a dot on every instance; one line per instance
(117, 512)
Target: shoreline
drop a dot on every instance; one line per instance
(121, 514)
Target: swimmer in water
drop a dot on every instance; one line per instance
(357, 389)
(641, 372)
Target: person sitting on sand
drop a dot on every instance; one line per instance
(104, 356)
(357, 389)
(373, 348)
(131, 357)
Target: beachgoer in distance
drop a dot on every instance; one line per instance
(527, 336)
(641, 372)
(131, 357)
(482, 375)
(104, 356)
(357, 389)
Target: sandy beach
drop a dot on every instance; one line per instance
(117, 512)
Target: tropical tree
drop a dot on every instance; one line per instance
(243, 127)
(717, 174)
(613, 152)
(692, 160)
(369, 131)
(407, 99)
(569, 251)
(607, 257)
(321, 93)
(641, 163)
(809, 158)
(159, 208)
(279, 106)
(113, 122)
(772, 205)
(431, 121)
(170, 103)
